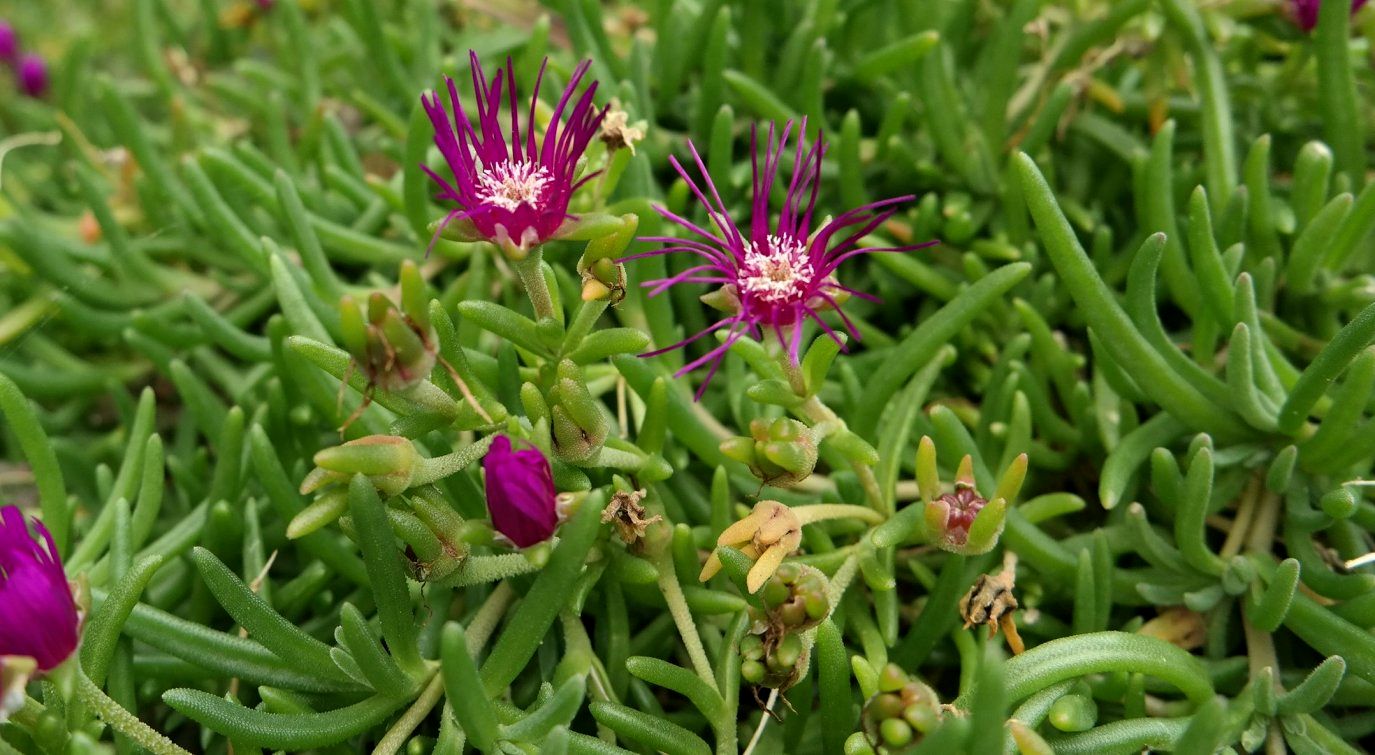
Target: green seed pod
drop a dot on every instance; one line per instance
(895, 732)
(856, 744)
(796, 597)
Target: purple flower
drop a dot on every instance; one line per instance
(38, 617)
(513, 190)
(1305, 12)
(784, 272)
(520, 493)
(9, 43)
(33, 75)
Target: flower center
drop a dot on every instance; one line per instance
(777, 270)
(508, 185)
(964, 504)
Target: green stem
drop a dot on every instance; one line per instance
(682, 617)
(489, 615)
(532, 277)
(823, 416)
(401, 731)
(820, 512)
(123, 721)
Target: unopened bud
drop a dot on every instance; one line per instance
(580, 425)
(395, 348)
(780, 452)
(388, 461)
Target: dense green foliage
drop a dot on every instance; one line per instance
(1152, 296)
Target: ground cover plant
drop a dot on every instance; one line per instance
(690, 376)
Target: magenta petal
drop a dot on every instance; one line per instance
(520, 493)
(38, 617)
(779, 274)
(508, 187)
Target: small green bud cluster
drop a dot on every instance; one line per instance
(603, 277)
(796, 597)
(776, 664)
(579, 423)
(904, 710)
(780, 452)
(395, 348)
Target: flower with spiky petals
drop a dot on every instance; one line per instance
(509, 187)
(773, 275)
(38, 616)
(1305, 12)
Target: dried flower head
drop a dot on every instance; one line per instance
(38, 616)
(767, 535)
(627, 514)
(1178, 626)
(509, 188)
(784, 273)
(618, 132)
(990, 603)
(521, 498)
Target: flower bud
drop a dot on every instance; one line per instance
(580, 425)
(395, 348)
(9, 43)
(33, 76)
(388, 461)
(780, 452)
(38, 616)
(521, 498)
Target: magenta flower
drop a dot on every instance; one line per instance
(784, 272)
(520, 493)
(1305, 12)
(38, 617)
(9, 43)
(513, 190)
(33, 76)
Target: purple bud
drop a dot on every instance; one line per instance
(520, 493)
(33, 75)
(9, 43)
(1305, 12)
(37, 613)
(266, 5)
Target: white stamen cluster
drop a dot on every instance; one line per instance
(508, 185)
(778, 270)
